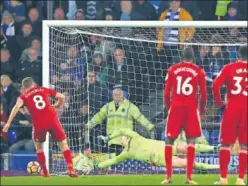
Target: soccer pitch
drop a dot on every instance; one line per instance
(110, 180)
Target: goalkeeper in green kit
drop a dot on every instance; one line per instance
(139, 148)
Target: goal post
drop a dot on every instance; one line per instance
(138, 40)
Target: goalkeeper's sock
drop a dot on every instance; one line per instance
(168, 160)
(204, 148)
(190, 160)
(68, 159)
(42, 161)
(243, 158)
(225, 156)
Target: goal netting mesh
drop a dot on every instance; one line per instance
(87, 63)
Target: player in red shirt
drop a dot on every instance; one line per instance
(180, 95)
(44, 119)
(234, 122)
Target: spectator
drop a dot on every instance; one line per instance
(120, 113)
(99, 67)
(72, 9)
(121, 73)
(35, 43)
(143, 10)
(10, 94)
(190, 6)
(8, 25)
(79, 15)
(4, 117)
(17, 9)
(6, 65)
(218, 58)
(30, 67)
(59, 14)
(175, 13)
(221, 8)
(108, 15)
(24, 138)
(24, 38)
(4, 148)
(76, 66)
(102, 45)
(4, 40)
(96, 93)
(126, 8)
(33, 16)
(232, 13)
(91, 10)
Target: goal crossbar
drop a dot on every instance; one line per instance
(168, 24)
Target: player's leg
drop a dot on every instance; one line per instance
(243, 153)
(58, 134)
(243, 158)
(190, 158)
(192, 131)
(228, 135)
(39, 137)
(173, 129)
(39, 146)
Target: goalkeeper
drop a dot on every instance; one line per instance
(141, 149)
(119, 113)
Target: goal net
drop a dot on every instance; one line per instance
(86, 61)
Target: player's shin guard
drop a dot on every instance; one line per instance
(42, 160)
(243, 158)
(168, 160)
(225, 156)
(190, 160)
(68, 159)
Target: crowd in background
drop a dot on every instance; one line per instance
(136, 67)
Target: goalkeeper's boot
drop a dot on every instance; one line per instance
(222, 181)
(72, 173)
(190, 182)
(44, 174)
(167, 181)
(240, 182)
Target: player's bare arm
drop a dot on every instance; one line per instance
(18, 105)
(60, 100)
(167, 90)
(217, 84)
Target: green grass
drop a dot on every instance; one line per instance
(109, 180)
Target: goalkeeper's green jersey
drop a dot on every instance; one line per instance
(142, 149)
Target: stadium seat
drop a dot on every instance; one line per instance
(215, 137)
(12, 136)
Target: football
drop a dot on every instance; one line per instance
(33, 167)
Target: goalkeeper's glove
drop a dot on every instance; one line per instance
(105, 139)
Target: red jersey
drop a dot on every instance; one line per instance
(181, 86)
(38, 103)
(233, 75)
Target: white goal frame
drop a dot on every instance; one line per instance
(142, 24)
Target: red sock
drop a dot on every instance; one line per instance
(68, 159)
(42, 160)
(190, 160)
(168, 160)
(225, 156)
(243, 158)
